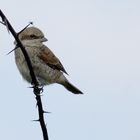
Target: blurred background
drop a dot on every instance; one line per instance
(98, 44)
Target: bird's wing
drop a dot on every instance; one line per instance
(50, 59)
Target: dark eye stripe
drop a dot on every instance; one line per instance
(30, 37)
(33, 37)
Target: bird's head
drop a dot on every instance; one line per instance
(32, 34)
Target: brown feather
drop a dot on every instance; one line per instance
(50, 59)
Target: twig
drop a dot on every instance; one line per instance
(36, 90)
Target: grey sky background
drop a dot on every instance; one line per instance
(98, 44)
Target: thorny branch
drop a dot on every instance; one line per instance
(37, 90)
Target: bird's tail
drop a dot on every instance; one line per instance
(71, 87)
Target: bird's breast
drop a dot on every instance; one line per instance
(44, 73)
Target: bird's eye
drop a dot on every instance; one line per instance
(33, 36)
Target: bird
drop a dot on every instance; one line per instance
(47, 67)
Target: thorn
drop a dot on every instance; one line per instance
(46, 112)
(12, 50)
(2, 23)
(30, 23)
(36, 120)
(34, 90)
(5, 24)
(31, 87)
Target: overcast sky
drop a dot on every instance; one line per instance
(98, 43)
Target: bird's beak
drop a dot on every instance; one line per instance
(44, 39)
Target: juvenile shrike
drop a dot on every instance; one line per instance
(47, 67)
